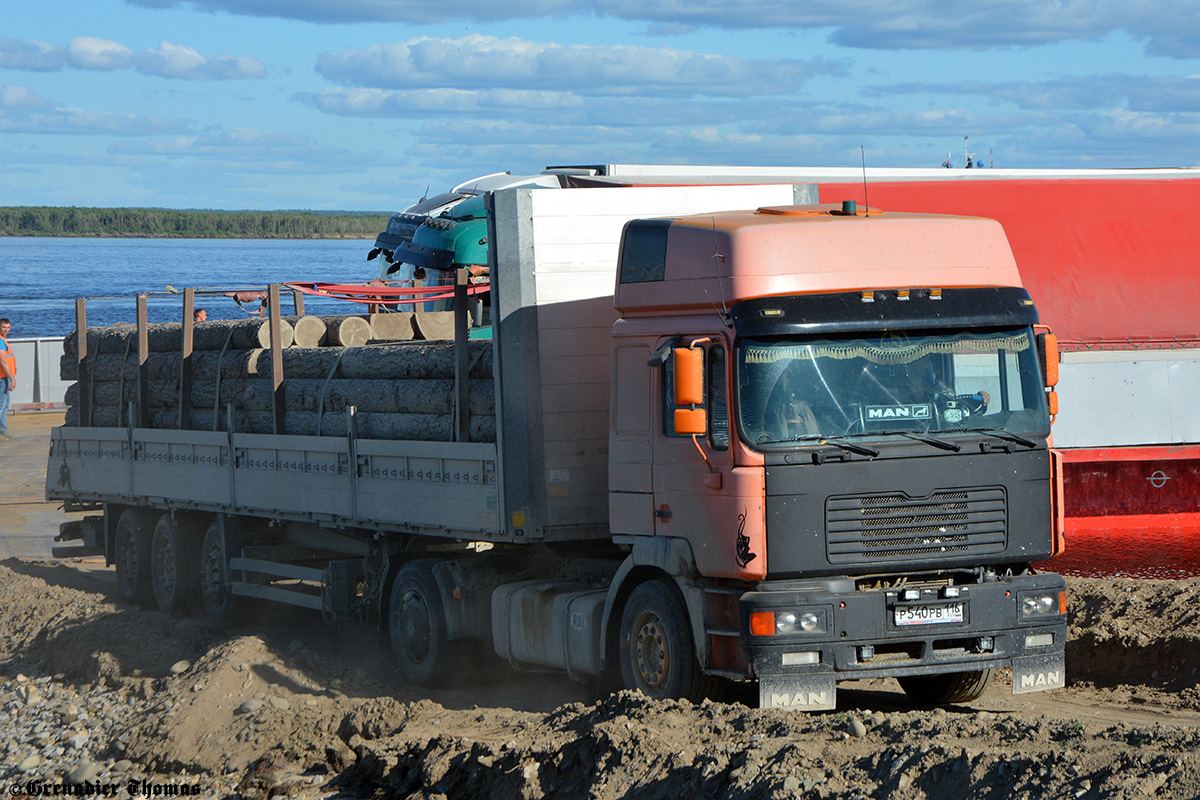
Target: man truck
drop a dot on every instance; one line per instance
(738, 436)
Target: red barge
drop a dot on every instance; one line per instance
(1110, 258)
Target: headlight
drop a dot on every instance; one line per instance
(772, 623)
(1047, 604)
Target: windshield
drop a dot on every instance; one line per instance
(792, 389)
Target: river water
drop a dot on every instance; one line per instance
(41, 277)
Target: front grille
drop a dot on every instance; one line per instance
(891, 527)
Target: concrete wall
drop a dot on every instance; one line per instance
(38, 383)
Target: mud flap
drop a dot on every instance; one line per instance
(1039, 673)
(813, 692)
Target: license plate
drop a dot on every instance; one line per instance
(929, 615)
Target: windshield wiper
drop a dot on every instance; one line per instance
(852, 448)
(935, 442)
(999, 434)
(816, 438)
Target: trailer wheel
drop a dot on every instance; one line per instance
(175, 565)
(656, 652)
(953, 687)
(216, 592)
(417, 624)
(132, 556)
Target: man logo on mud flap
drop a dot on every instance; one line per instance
(789, 700)
(1042, 680)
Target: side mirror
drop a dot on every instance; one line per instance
(691, 421)
(1047, 346)
(688, 366)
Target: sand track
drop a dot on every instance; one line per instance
(285, 706)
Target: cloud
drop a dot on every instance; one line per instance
(438, 102)
(245, 150)
(587, 70)
(546, 108)
(1088, 92)
(1166, 26)
(91, 53)
(24, 111)
(323, 11)
(29, 55)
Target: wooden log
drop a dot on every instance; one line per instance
(113, 393)
(309, 331)
(206, 365)
(433, 325)
(394, 327)
(408, 396)
(401, 361)
(370, 425)
(231, 334)
(348, 331)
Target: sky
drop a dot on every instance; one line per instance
(368, 104)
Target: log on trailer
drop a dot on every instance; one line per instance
(163, 337)
(398, 396)
(401, 360)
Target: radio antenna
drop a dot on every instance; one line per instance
(867, 206)
(723, 313)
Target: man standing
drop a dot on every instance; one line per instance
(8, 374)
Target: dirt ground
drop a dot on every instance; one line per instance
(285, 706)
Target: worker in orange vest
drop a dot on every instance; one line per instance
(8, 374)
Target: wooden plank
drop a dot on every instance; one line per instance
(577, 426)
(562, 371)
(592, 396)
(185, 365)
(566, 287)
(556, 337)
(593, 312)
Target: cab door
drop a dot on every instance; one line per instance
(692, 484)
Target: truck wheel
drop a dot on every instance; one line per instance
(175, 565)
(216, 594)
(953, 687)
(656, 652)
(132, 555)
(417, 624)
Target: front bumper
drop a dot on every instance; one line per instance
(861, 636)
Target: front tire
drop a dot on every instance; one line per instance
(132, 556)
(417, 625)
(216, 593)
(952, 687)
(656, 651)
(175, 565)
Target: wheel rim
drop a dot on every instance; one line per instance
(416, 629)
(213, 576)
(164, 566)
(651, 652)
(129, 561)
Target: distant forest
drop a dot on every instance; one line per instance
(163, 222)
